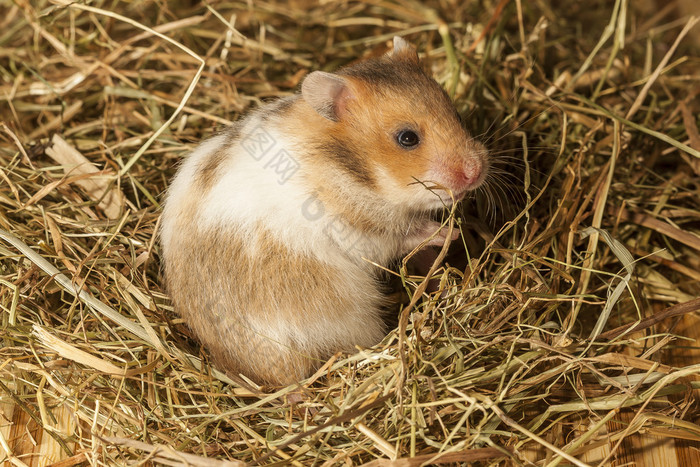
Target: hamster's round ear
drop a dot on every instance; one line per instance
(403, 50)
(327, 94)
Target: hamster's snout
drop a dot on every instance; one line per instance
(464, 173)
(462, 178)
(471, 172)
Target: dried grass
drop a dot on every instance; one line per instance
(558, 337)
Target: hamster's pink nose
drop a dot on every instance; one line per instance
(469, 177)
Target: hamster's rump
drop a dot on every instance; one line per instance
(269, 313)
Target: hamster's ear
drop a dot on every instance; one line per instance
(327, 93)
(403, 50)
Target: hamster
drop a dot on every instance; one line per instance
(273, 231)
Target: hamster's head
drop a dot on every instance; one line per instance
(395, 130)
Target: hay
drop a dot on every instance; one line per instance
(556, 338)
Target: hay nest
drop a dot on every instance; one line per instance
(565, 324)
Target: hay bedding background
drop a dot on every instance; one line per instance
(554, 344)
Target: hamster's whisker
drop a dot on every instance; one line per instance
(523, 123)
(538, 149)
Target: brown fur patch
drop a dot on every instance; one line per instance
(208, 172)
(349, 158)
(227, 294)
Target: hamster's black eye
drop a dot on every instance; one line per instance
(407, 139)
